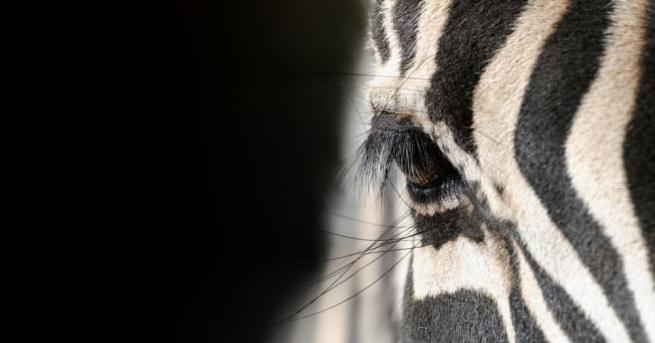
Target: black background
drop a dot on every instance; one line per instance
(227, 120)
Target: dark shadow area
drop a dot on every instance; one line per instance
(229, 119)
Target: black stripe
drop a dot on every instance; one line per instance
(377, 31)
(525, 327)
(405, 20)
(463, 316)
(564, 72)
(639, 153)
(474, 31)
(569, 316)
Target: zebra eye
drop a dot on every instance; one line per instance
(437, 189)
(431, 178)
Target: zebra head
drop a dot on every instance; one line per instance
(525, 131)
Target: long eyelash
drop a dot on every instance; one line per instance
(389, 141)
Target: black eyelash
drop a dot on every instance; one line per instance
(391, 140)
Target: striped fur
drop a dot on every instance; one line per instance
(546, 108)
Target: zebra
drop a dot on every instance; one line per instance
(525, 133)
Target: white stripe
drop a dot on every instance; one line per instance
(407, 95)
(595, 161)
(462, 264)
(496, 106)
(534, 300)
(392, 66)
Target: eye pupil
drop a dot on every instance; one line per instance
(431, 177)
(424, 177)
